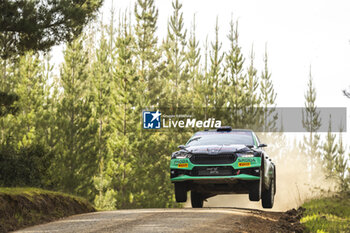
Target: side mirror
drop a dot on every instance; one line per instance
(262, 145)
(182, 147)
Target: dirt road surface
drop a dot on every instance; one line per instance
(175, 220)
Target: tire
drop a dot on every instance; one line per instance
(274, 178)
(261, 181)
(268, 196)
(180, 192)
(196, 200)
(254, 191)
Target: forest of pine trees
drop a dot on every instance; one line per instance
(80, 131)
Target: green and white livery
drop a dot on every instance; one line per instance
(223, 161)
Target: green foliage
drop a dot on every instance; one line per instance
(341, 167)
(105, 199)
(330, 154)
(80, 131)
(38, 25)
(236, 77)
(311, 122)
(147, 52)
(7, 101)
(174, 48)
(193, 57)
(27, 166)
(330, 151)
(330, 214)
(75, 157)
(121, 154)
(268, 98)
(215, 72)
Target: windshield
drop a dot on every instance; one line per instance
(227, 138)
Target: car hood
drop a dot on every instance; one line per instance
(215, 149)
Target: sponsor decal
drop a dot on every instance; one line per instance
(244, 164)
(180, 161)
(182, 165)
(250, 160)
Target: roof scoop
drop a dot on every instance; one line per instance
(224, 129)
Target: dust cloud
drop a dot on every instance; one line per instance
(298, 178)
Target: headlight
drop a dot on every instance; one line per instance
(181, 155)
(245, 155)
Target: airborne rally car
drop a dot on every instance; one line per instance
(223, 161)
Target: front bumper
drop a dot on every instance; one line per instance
(241, 169)
(225, 179)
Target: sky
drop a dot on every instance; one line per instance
(298, 35)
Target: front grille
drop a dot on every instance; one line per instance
(213, 159)
(213, 171)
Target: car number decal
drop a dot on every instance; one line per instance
(182, 165)
(245, 164)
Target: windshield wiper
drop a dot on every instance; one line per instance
(193, 139)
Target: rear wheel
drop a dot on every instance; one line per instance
(180, 192)
(268, 196)
(196, 200)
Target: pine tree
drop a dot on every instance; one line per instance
(215, 72)
(7, 97)
(253, 83)
(235, 75)
(147, 51)
(101, 107)
(268, 98)
(76, 160)
(341, 165)
(252, 110)
(330, 152)
(203, 89)
(25, 132)
(311, 122)
(123, 117)
(38, 25)
(193, 57)
(30, 87)
(105, 199)
(174, 48)
(152, 74)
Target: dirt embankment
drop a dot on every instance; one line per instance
(20, 207)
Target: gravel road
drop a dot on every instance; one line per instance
(169, 220)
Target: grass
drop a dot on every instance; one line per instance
(21, 207)
(30, 192)
(327, 214)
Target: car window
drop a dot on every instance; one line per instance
(256, 139)
(227, 138)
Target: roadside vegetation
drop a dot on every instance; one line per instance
(327, 214)
(21, 207)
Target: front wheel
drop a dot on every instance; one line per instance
(180, 192)
(268, 196)
(254, 191)
(196, 200)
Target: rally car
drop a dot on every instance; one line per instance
(223, 161)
